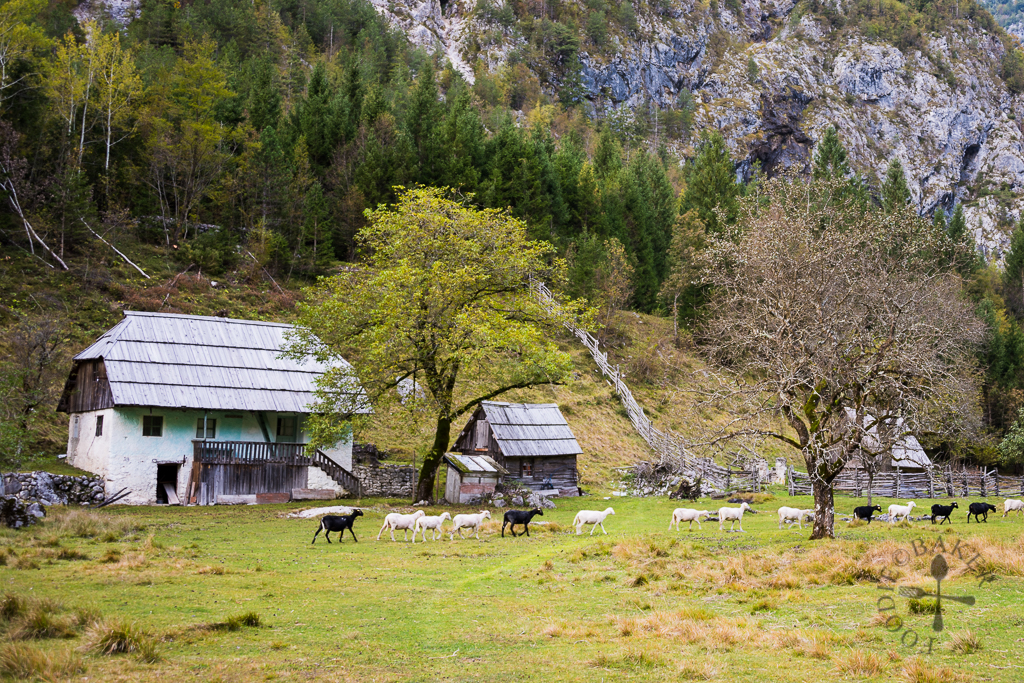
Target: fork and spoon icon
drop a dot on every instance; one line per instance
(939, 570)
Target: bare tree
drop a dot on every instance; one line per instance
(820, 307)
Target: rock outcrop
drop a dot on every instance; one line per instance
(773, 81)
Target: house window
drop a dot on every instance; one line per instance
(152, 425)
(287, 428)
(99, 425)
(527, 468)
(211, 429)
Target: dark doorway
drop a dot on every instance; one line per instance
(167, 484)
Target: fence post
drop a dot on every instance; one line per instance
(931, 484)
(996, 477)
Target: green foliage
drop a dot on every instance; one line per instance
(711, 187)
(830, 158)
(894, 191)
(444, 294)
(1013, 70)
(1012, 446)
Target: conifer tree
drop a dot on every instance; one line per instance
(711, 183)
(895, 192)
(459, 142)
(421, 119)
(264, 104)
(608, 155)
(966, 260)
(830, 159)
(1013, 274)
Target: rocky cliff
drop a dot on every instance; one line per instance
(772, 76)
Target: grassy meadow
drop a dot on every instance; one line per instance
(240, 594)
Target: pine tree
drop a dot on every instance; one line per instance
(711, 183)
(608, 155)
(966, 260)
(1013, 274)
(459, 143)
(264, 103)
(317, 249)
(421, 118)
(895, 192)
(830, 159)
(315, 117)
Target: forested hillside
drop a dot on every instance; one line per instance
(240, 144)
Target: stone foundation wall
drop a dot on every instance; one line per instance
(54, 489)
(386, 481)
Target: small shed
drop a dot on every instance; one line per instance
(470, 477)
(906, 455)
(530, 440)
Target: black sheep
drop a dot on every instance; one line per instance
(513, 517)
(337, 523)
(865, 511)
(943, 511)
(980, 509)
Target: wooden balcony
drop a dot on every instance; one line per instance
(249, 453)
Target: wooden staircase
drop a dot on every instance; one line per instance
(343, 477)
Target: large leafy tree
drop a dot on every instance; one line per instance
(442, 298)
(839, 321)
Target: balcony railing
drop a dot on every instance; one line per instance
(249, 452)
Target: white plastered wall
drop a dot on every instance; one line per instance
(127, 459)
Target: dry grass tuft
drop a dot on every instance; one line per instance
(917, 671)
(1004, 558)
(631, 659)
(112, 637)
(25, 662)
(77, 523)
(216, 570)
(553, 631)
(964, 643)
(704, 672)
(862, 664)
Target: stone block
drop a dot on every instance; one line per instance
(237, 500)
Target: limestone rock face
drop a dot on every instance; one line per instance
(772, 82)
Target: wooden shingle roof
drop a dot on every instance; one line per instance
(530, 429)
(190, 361)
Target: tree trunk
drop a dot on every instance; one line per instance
(425, 485)
(871, 483)
(824, 509)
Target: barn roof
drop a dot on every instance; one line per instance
(530, 429)
(475, 464)
(190, 361)
(907, 452)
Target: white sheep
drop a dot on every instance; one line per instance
(687, 515)
(461, 522)
(403, 522)
(900, 511)
(591, 517)
(433, 523)
(793, 516)
(1011, 505)
(733, 515)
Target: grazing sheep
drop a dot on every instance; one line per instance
(468, 522)
(943, 511)
(732, 515)
(404, 522)
(591, 517)
(794, 516)
(687, 515)
(339, 523)
(513, 517)
(865, 511)
(433, 523)
(900, 511)
(980, 509)
(1011, 505)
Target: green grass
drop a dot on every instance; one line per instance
(239, 594)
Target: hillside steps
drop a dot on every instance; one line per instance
(339, 474)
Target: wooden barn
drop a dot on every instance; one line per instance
(470, 477)
(532, 441)
(193, 409)
(906, 455)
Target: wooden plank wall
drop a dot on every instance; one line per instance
(239, 480)
(91, 390)
(560, 469)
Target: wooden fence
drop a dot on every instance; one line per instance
(936, 483)
(668, 446)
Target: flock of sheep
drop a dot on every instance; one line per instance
(418, 522)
